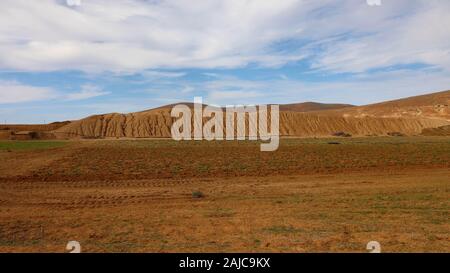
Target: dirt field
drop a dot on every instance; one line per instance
(320, 195)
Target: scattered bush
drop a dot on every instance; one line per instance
(341, 134)
(396, 134)
(92, 137)
(197, 194)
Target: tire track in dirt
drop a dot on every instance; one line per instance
(30, 184)
(26, 163)
(81, 201)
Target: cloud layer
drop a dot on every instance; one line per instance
(14, 92)
(132, 35)
(87, 91)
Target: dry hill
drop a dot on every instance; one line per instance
(439, 131)
(34, 127)
(34, 131)
(435, 105)
(407, 116)
(312, 106)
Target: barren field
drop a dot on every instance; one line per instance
(320, 195)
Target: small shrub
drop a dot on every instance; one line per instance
(396, 134)
(34, 135)
(341, 134)
(92, 137)
(197, 194)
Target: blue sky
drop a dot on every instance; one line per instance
(67, 59)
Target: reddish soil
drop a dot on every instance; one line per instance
(312, 195)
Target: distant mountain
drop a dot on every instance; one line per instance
(294, 107)
(312, 106)
(34, 127)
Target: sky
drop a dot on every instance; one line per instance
(68, 59)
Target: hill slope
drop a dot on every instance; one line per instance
(439, 131)
(409, 116)
(435, 105)
(312, 106)
(42, 130)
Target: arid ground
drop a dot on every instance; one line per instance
(312, 195)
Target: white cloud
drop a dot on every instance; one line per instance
(364, 89)
(162, 74)
(154, 75)
(421, 37)
(14, 92)
(73, 2)
(87, 91)
(229, 97)
(135, 35)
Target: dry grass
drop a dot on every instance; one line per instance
(153, 159)
(30, 145)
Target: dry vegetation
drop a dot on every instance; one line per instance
(162, 195)
(149, 159)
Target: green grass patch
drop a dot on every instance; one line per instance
(30, 145)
